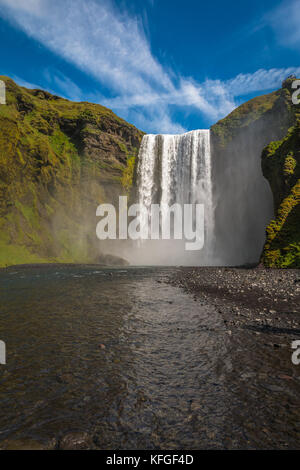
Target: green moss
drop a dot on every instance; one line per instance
(123, 147)
(249, 112)
(128, 172)
(281, 166)
(58, 159)
(11, 254)
(30, 214)
(289, 165)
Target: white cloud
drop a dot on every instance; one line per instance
(157, 120)
(28, 6)
(260, 80)
(187, 94)
(99, 40)
(111, 46)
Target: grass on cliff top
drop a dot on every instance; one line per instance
(244, 114)
(48, 104)
(252, 110)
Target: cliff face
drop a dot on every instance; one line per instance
(243, 197)
(281, 167)
(58, 161)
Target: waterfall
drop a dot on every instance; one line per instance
(177, 169)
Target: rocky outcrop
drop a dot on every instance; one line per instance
(111, 260)
(243, 197)
(58, 161)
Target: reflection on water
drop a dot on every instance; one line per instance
(133, 361)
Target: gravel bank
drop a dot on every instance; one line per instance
(261, 300)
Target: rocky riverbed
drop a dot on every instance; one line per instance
(264, 301)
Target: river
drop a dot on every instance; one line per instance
(134, 362)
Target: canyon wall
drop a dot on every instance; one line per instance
(243, 195)
(281, 167)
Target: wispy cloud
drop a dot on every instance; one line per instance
(260, 80)
(285, 21)
(55, 81)
(108, 44)
(25, 83)
(66, 86)
(111, 46)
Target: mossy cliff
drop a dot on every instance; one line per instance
(58, 161)
(281, 167)
(244, 199)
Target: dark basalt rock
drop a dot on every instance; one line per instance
(111, 260)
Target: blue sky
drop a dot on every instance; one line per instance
(167, 66)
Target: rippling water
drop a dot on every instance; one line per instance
(168, 375)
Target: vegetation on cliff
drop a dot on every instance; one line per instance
(281, 166)
(243, 197)
(243, 209)
(58, 161)
(225, 130)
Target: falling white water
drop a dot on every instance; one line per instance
(177, 169)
